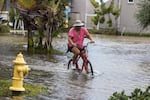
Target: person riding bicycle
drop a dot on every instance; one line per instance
(76, 37)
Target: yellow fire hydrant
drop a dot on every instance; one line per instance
(20, 70)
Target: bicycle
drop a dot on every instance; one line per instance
(85, 65)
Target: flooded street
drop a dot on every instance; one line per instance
(120, 63)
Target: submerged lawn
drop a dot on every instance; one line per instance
(31, 90)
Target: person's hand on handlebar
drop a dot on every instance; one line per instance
(92, 41)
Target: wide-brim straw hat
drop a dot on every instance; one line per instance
(78, 23)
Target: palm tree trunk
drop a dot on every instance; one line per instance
(30, 39)
(40, 37)
(48, 37)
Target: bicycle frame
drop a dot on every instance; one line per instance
(86, 63)
(86, 51)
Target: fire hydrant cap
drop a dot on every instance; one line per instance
(19, 59)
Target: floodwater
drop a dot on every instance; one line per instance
(120, 63)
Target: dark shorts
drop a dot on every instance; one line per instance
(70, 49)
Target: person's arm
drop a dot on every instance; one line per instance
(90, 37)
(70, 41)
(70, 37)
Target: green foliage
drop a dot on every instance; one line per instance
(4, 86)
(137, 94)
(118, 96)
(103, 10)
(102, 19)
(110, 9)
(14, 15)
(31, 42)
(109, 22)
(31, 90)
(46, 16)
(4, 29)
(95, 19)
(116, 13)
(54, 34)
(136, 34)
(27, 4)
(94, 3)
(143, 14)
(3, 26)
(108, 31)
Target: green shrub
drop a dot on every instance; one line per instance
(137, 94)
(4, 29)
(107, 31)
(119, 96)
(136, 34)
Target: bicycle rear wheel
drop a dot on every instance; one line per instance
(70, 64)
(90, 67)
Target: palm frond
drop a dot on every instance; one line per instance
(27, 4)
(143, 14)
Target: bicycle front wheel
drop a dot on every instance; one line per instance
(90, 67)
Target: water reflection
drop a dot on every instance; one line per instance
(17, 95)
(77, 86)
(17, 98)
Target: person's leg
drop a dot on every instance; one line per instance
(84, 57)
(76, 52)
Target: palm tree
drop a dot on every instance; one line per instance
(25, 8)
(143, 14)
(44, 15)
(51, 12)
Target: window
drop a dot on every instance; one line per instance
(130, 1)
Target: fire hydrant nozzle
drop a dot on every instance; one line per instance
(20, 70)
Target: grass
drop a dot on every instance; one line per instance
(4, 29)
(4, 86)
(33, 90)
(111, 31)
(30, 89)
(136, 34)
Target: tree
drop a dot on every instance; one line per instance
(51, 9)
(143, 14)
(26, 8)
(45, 16)
(102, 10)
(3, 22)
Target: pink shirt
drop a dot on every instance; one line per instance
(77, 38)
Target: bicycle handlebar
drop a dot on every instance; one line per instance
(85, 46)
